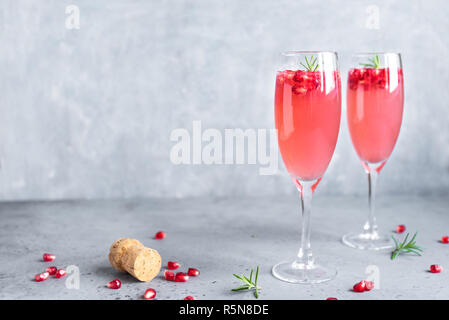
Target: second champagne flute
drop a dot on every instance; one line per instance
(375, 98)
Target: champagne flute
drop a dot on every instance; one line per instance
(307, 116)
(375, 99)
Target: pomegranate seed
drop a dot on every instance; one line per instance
(181, 277)
(400, 228)
(299, 90)
(41, 277)
(51, 270)
(359, 287)
(170, 276)
(149, 294)
(48, 257)
(436, 268)
(159, 235)
(172, 265)
(60, 273)
(369, 285)
(445, 239)
(114, 284)
(331, 298)
(189, 298)
(193, 272)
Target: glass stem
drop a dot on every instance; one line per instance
(370, 226)
(305, 252)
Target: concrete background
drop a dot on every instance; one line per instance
(87, 113)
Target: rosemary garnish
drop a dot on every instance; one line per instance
(311, 63)
(248, 283)
(373, 63)
(406, 247)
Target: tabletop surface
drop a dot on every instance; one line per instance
(219, 237)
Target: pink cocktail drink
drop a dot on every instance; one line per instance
(374, 108)
(307, 116)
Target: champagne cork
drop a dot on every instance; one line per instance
(130, 255)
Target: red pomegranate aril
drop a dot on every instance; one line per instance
(445, 239)
(369, 285)
(60, 273)
(193, 272)
(159, 235)
(189, 298)
(170, 276)
(173, 265)
(331, 298)
(48, 257)
(41, 277)
(51, 270)
(359, 287)
(149, 294)
(299, 90)
(114, 284)
(400, 228)
(181, 277)
(435, 268)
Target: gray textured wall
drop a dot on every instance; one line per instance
(88, 113)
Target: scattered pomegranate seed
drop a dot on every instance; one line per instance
(331, 298)
(159, 235)
(170, 276)
(359, 287)
(189, 298)
(51, 270)
(369, 285)
(41, 277)
(436, 268)
(60, 273)
(181, 277)
(173, 265)
(193, 272)
(149, 294)
(445, 239)
(400, 228)
(114, 284)
(48, 257)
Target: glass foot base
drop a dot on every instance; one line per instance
(300, 273)
(367, 241)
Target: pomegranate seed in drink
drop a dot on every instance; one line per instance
(193, 272)
(48, 257)
(173, 265)
(149, 294)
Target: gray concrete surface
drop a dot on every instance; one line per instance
(219, 237)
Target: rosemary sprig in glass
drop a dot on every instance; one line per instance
(405, 246)
(311, 63)
(249, 284)
(373, 63)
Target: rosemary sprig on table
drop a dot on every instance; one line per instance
(249, 284)
(373, 63)
(405, 246)
(311, 63)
